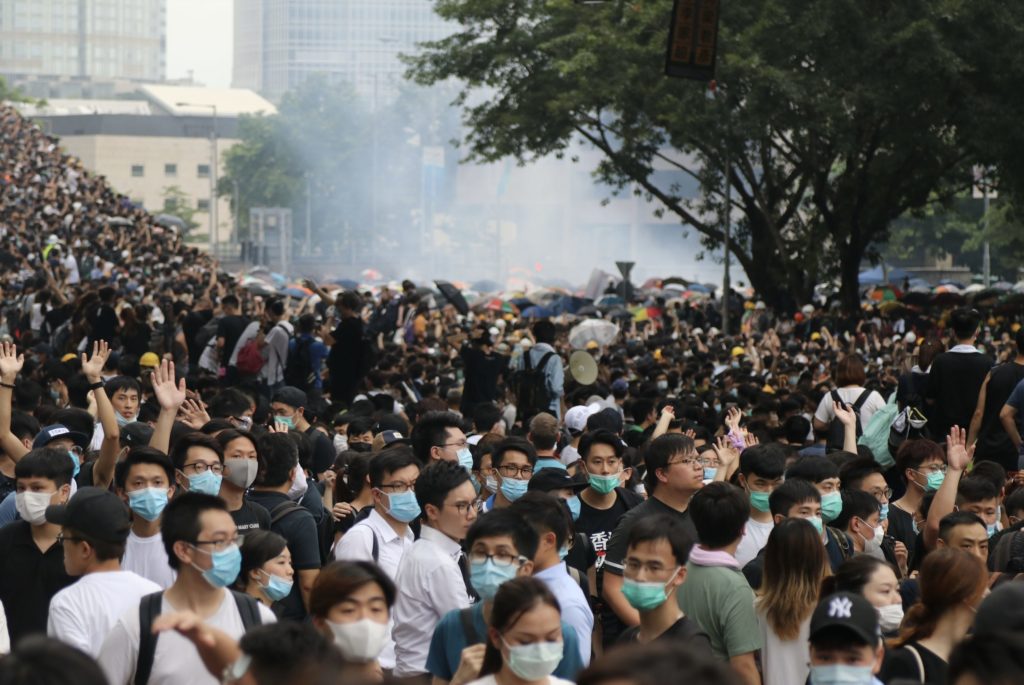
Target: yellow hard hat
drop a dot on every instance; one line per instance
(149, 359)
(738, 351)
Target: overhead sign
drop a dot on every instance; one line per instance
(693, 39)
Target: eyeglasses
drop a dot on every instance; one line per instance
(464, 507)
(499, 559)
(397, 488)
(933, 468)
(713, 463)
(882, 494)
(61, 537)
(689, 461)
(202, 467)
(221, 545)
(77, 451)
(460, 445)
(634, 566)
(511, 471)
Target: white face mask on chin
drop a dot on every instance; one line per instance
(299, 485)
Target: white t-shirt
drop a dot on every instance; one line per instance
(755, 537)
(784, 662)
(71, 264)
(491, 680)
(148, 558)
(873, 403)
(83, 613)
(5, 638)
(176, 661)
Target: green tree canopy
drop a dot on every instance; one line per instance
(836, 117)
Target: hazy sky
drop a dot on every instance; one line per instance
(199, 36)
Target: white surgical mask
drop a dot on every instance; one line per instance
(31, 506)
(360, 641)
(890, 617)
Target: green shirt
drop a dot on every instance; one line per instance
(720, 600)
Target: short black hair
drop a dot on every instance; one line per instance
(545, 513)
(24, 425)
(796, 429)
(505, 522)
(41, 660)
(46, 462)
(228, 403)
(359, 425)
(485, 415)
(813, 469)
(790, 493)
(719, 512)
(437, 480)
(143, 455)
(856, 503)
(599, 437)
(662, 527)
(957, 518)
(179, 453)
(432, 431)
(995, 658)
(853, 472)
(659, 451)
(278, 455)
(513, 445)
(229, 301)
(974, 489)
(1014, 502)
(118, 383)
(390, 460)
(181, 520)
(964, 321)
(290, 652)
(544, 331)
(75, 419)
(766, 460)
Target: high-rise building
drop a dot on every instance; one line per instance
(85, 39)
(279, 43)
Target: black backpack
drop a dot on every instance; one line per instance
(299, 372)
(836, 430)
(324, 528)
(149, 609)
(530, 385)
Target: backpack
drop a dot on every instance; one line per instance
(207, 335)
(877, 434)
(836, 430)
(299, 372)
(149, 609)
(250, 360)
(530, 385)
(324, 528)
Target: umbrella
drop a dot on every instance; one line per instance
(536, 312)
(884, 293)
(947, 298)
(569, 304)
(946, 288)
(1002, 285)
(609, 301)
(371, 275)
(592, 330)
(258, 287)
(675, 280)
(296, 291)
(119, 221)
(346, 283)
(877, 275)
(916, 298)
(973, 288)
(620, 313)
(170, 221)
(523, 303)
(454, 297)
(588, 310)
(486, 286)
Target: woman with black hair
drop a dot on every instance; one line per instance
(266, 571)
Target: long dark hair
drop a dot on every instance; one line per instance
(853, 574)
(949, 578)
(794, 566)
(514, 598)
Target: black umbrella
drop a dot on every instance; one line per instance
(454, 297)
(916, 299)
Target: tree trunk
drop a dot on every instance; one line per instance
(849, 284)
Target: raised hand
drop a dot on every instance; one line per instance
(169, 395)
(958, 454)
(92, 366)
(844, 413)
(726, 451)
(10, 362)
(732, 419)
(193, 414)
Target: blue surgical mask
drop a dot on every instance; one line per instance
(709, 472)
(277, 588)
(817, 523)
(831, 506)
(286, 421)
(883, 513)
(992, 529)
(122, 421)
(563, 552)
(465, 458)
(759, 500)
(74, 460)
(55, 395)
(476, 484)
(574, 507)
(935, 480)
(841, 674)
(226, 565)
(645, 596)
(148, 503)
(207, 483)
(535, 661)
(403, 506)
(487, 577)
(604, 484)
(513, 488)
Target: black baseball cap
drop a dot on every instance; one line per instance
(58, 430)
(95, 513)
(136, 434)
(1003, 609)
(291, 396)
(552, 478)
(846, 611)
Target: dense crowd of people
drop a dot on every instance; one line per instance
(203, 483)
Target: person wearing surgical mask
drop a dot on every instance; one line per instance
(199, 460)
(145, 482)
(438, 436)
(860, 520)
(654, 568)
(267, 572)
(876, 581)
(351, 604)
(844, 644)
(31, 558)
(241, 463)
(513, 462)
(524, 636)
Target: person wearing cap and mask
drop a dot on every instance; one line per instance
(94, 529)
(202, 546)
(845, 642)
(289, 407)
(31, 559)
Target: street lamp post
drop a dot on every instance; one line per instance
(214, 238)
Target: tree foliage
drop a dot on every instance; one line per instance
(834, 117)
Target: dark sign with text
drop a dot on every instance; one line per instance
(693, 39)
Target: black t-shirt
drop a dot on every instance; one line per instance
(104, 325)
(993, 442)
(323, 450)
(230, 328)
(7, 486)
(901, 663)
(28, 579)
(684, 631)
(953, 384)
(194, 321)
(901, 527)
(345, 359)
(599, 524)
(251, 516)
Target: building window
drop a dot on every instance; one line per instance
(203, 205)
(170, 169)
(203, 171)
(138, 170)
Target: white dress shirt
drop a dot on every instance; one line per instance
(429, 585)
(82, 614)
(575, 607)
(357, 545)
